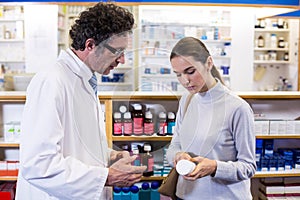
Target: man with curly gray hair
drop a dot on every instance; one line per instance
(64, 152)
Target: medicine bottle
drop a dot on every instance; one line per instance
(281, 42)
(155, 195)
(280, 23)
(117, 124)
(145, 193)
(162, 120)
(286, 56)
(137, 161)
(184, 167)
(148, 123)
(126, 194)
(171, 123)
(138, 119)
(127, 124)
(261, 41)
(126, 147)
(273, 43)
(147, 160)
(122, 109)
(134, 192)
(117, 193)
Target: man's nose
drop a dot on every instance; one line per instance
(121, 59)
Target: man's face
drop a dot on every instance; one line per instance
(108, 55)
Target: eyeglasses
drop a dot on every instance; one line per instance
(116, 52)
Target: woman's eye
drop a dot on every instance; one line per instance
(191, 71)
(178, 75)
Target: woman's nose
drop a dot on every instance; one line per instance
(185, 79)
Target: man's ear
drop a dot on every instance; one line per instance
(90, 44)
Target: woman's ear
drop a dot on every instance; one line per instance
(209, 63)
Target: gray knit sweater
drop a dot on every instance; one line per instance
(218, 125)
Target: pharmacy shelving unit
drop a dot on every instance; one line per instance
(9, 98)
(285, 104)
(272, 103)
(274, 61)
(62, 29)
(12, 43)
(157, 36)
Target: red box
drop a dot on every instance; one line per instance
(7, 191)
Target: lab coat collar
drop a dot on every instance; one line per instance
(81, 69)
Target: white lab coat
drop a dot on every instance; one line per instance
(63, 150)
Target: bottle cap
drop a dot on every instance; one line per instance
(162, 115)
(127, 115)
(122, 109)
(171, 115)
(117, 189)
(135, 151)
(154, 185)
(145, 186)
(184, 167)
(134, 189)
(126, 189)
(137, 106)
(148, 115)
(117, 115)
(147, 147)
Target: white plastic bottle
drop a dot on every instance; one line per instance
(273, 42)
(184, 167)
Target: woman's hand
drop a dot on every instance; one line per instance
(204, 167)
(181, 156)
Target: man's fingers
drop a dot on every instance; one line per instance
(138, 169)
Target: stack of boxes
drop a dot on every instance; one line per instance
(269, 160)
(279, 188)
(277, 127)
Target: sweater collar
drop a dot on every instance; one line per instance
(213, 94)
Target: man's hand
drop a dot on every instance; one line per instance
(123, 174)
(116, 155)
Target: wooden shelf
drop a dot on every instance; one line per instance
(8, 178)
(270, 49)
(8, 144)
(258, 174)
(17, 96)
(278, 136)
(271, 30)
(12, 96)
(141, 138)
(153, 178)
(270, 95)
(270, 62)
(287, 173)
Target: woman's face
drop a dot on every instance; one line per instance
(191, 74)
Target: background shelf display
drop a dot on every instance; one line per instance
(274, 50)
(270, 105)
(157, 37)
(12, 46)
